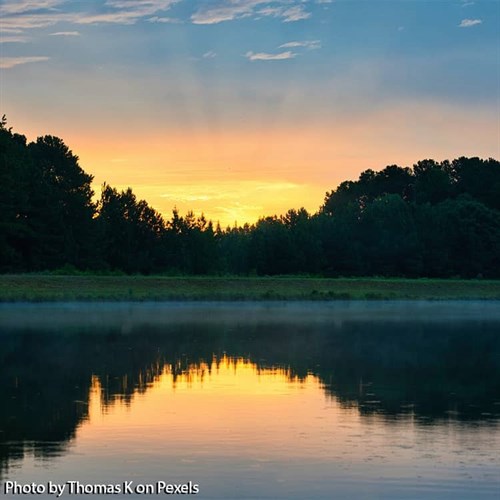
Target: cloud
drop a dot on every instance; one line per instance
(20, 6)
(209, 55)
(198, 193)
(264, 56)
(228, 10)
(228, 200)
(165, 20)
(120, 17)
(141, 5)
(467, 23)
(65, 33)
(19, 15)
(10, 62)
(296, 13)
(127, 11)
(13, 39)
(224, 11)
(308, 44)
(270, 11)
(14, 31)
(24, 14)
(19, 23)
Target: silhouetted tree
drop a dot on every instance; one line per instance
(233, 247)
(190, 244)
(130, 231)
(435, 219)
(478, 178)
(306, 246)
(271, 249)
(16, 236)
(62, 210)
(459, 238)
(432, 181)
(389, 238)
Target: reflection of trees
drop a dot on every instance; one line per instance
(44, 392)
(379, 367)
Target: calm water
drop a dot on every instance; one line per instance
(268, 400)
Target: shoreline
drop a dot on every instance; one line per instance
(92, 288)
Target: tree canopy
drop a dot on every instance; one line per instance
(434, 219)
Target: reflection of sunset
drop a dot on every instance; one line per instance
(232, 425)
(226, 405)
(231, 408)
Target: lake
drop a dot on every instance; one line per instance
(269, 400)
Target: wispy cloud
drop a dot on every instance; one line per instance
(228, 10)
(286, 13)
(10, 31)
(288, 54)
(10, 62)
(13, 39)
(20, 6)
(264, 56)
(141, 5)
(209, 55)
(118, 17)
(467, 23)
(233, 200)
(164, 20)
(197, 193)
(27, 21)
(296, 13)
(128, 11)
(19, 15)
(24, 14)
(308, 44)
(65, 33)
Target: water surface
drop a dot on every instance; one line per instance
(254, 400)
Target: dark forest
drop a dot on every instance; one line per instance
(434, 219)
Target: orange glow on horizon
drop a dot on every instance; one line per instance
(241, 174)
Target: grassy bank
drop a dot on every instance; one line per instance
(52, 288)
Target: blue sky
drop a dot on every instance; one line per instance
(302, 93)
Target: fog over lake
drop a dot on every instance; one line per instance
(374, 399)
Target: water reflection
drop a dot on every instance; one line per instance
(244, 390)
(229, 405)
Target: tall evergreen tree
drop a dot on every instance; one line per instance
(61, 207)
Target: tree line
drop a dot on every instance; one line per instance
(435, 219)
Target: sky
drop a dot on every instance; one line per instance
(246, 108)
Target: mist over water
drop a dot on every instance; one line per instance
(103, 314)
(255, 400)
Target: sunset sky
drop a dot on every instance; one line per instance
(245, 108)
